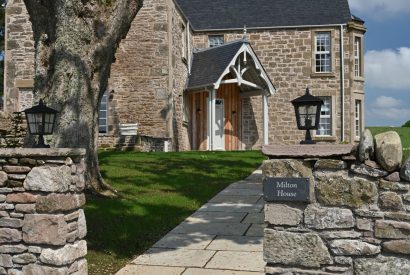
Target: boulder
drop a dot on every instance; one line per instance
(366, 146)
(405, 170)
(382, 266)
(389, 151)
(289, 248)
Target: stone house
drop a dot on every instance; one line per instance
(218, 75)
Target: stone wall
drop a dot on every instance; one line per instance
(42, 225)
(357, 220)
(135, 143)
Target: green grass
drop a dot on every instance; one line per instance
(159, 190)
(404, 133)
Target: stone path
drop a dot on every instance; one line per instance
(224, 237)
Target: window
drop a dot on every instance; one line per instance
(103, 115)
(357, 56)
(325, 123)
(323, 52)
(215, 40)
(357, 118)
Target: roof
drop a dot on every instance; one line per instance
(209, 64)
(234, 14)
(237, 59)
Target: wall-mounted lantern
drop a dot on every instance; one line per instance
(40, 121)
(307, 110)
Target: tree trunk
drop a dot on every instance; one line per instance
(75, 44)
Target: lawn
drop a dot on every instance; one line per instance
(158, 191)
(404, 133)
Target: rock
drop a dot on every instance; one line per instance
(48, 179)
(82, 225)
(295, 249)
(406, 197)
(13, 249)
(35, 249)
(392, 229)
(26, 258)
(6, 261)
(382, 266)
(328, 235)
(14, 272)
(372, 164)
(368, 213)
(64, 256)
(9, 235)
(291, 168)
(82, 268)
(21, 198)
(403, 216)
(59, 202)
(2, 198)
(336, 189)
(327, 218)
(14, 183)
(343, 260)
(363, 169)
(16, 169)
(3, 178)
(389, 151)
(35, 269)
(331, 164)
(393, 186)
(366, 146)
(9, 222)
(44, 229)
(25, 208)
(364, 224)
(404, 171)
(390, 201)
(395, 177)
(353, 248)
(6, 206)
(399, 246)
(281, 214)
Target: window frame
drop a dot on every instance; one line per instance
(358, 65)
(100, 110)
(328, 116)
(358, 110)
(215, 36)
(317, 53)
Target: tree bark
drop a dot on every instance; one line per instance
(75, 44)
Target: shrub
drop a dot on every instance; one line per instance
(407, 124)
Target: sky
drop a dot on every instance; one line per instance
(387, 60)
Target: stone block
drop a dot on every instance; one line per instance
(327, 218)
(3, 178)
(6, 260)
(281, 214)
(288, 248)
(401, 216)
(59, 202)
(13, 249)
(366, 170)
(397, 246)
(82, 268)
(21, 198)
(390, 201)
(404, 171)
(25, 258)
(330, 164)
(353, 248)
(65, 255)
(44, 229)
(394, 177)
(82, 225)
(366, 146)
(16, 169)
(382, 266)
(35, 269)
(364, 224)
(10, 222)
(48, 179)
(3, 198)
(389, 151)
(340, 234)
(9, 235)
(393, 186)
(337, 189)
(392, 229)
(25, 208)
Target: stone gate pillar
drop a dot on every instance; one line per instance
(42, 225)
(353, 218)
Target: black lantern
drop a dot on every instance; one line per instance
(307, 110)
(40, 121)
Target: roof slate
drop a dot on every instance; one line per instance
(234, 14)
(209, 64)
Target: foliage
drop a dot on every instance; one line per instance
(158, 191)
(404, 133)
(407, 124)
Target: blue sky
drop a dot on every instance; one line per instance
(387, 60)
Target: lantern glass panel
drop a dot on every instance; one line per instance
(35, 122)
(48, 123)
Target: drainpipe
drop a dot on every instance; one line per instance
(342, 82)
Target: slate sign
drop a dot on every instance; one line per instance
(286, 189)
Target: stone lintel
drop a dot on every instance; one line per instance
(41, 152)
(307, 151)
(24, 83)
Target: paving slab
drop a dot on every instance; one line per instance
(185, 241)
(205, 271)
(216, 217)
(241, 192)
(237, 229)
(174, 257)
(245, 184)
(150, 270)
(237, 260)
(237, 243)
(235, 199)
(256, 230)
(254, 218)
(232, 207)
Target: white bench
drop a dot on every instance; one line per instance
(128, 129)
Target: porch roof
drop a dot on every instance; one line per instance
(210, 67)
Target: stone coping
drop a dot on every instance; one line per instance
(41, 152)
(307, 151)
